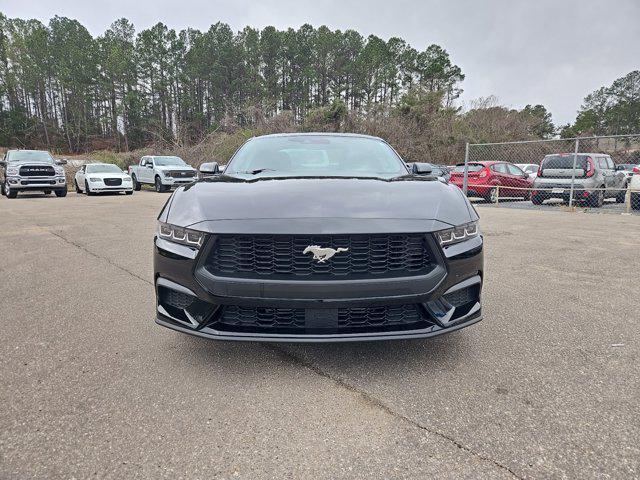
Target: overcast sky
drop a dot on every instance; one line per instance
(521, 51)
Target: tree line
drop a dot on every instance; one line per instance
(61, 88)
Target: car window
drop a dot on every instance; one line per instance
(610, 163)
(602, 163)
(143, 161)
(499, 167)
(513, 170)
(473, 167)
(316, 155)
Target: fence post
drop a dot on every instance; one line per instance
(573, 172)
(466, 170)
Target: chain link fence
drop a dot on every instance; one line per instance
(594, 173)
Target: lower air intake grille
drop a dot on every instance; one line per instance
(176, 299)
(462, 296)
(293, 320)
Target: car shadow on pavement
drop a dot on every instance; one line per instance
(385, 357)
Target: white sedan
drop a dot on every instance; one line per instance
(95, 178)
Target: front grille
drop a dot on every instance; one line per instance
(281, 256)
(293, 320)
(37, 171)
(180, 173)
(113, 182)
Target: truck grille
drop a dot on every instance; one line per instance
(37, 171)
(281, 256)
(293, 320)
(180, 173)
(113, 182)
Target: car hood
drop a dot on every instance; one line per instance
(107, 175)
(270, 205)
(22, 163)
(186, 168)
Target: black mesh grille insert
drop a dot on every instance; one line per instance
(462, 296)
(37, 171)
(260, 319)
(112, 182)
(176, 299)
(282, 256)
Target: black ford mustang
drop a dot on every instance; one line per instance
(318, 237)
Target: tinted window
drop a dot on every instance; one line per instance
(103, 169)
(610, 164)
(168, 161)
(316, 155)
(29, 156)
(564, 162)
(499, 168)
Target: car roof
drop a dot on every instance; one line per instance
(25, 150)
(564, 154)
(316, 134)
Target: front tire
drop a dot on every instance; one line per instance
(62, 192)
(136, 184)
(87, 190)
(621, 194)
(537, 199)
(597, 199)
(159, 186)
(129, 192)
(635, 201)
(492, 196)
(8, 192)
(78, 191)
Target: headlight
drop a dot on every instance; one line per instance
(458, 234)
(12, 171)
(184, 236)
(95, 179)
(127, 179)
(59, 171)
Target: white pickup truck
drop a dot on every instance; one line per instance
(162, 171)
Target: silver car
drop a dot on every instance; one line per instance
(595, 178)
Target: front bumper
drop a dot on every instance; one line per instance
(179, 269)
(37, 183)
(175, 181)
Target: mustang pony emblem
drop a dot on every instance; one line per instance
(323, 254)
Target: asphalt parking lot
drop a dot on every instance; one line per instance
(546, 386)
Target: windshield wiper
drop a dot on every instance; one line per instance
(258, 170)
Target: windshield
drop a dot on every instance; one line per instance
(103, 169)
(29, 156)
(473, 167)
(316, 155)
(562, 162)
(168, 161)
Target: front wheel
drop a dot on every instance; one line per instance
(537, 199)
(75, 182)
(635, 201)
(597, 199)
(129, 192)
(159, 186)
(492, 196)
(62, 192)
(87, 190)
(136, 184)
(621, 194)
(9, 192)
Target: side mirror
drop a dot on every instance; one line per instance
(422, 168)
(3, 163)
(62, 161)
(210, 168)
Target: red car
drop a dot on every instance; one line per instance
(484, 177)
